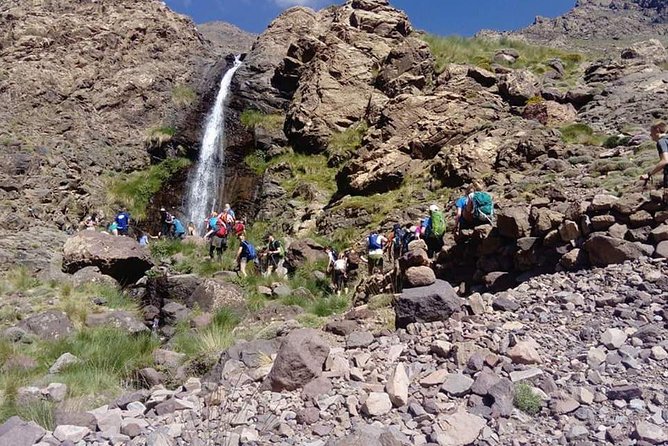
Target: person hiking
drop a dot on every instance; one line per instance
(239, 228)
(227, 210)
(397, 245)
(191, 230)
(474, 208)
(376, 245)
(274, 254)
(409, 236)
(659, 134)
(165, 223)
(113, 228)
(179, 229)
(217, 235)
(245, 253)
(142, 238)
(434, 230)
(332, 256)
(340, 274)
(123, 221)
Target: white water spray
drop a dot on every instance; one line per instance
(207, 178)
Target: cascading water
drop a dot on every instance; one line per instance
(205, 180)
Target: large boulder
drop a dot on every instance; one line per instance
(419, 276)
(513, 222)
(299, 361)
(48, 325)
(304, 251)
(16, 432)
(119, 257)
(123, 320)
(604, 250)
(518, 86)
(252, 354)
(193, 291)
(92, 275)
(436, 302)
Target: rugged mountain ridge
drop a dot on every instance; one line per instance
(227, 38)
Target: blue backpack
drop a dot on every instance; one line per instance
(250, 250)
(399, 236)
(374, 242)
(213, 224)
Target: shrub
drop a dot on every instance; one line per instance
(527, 400)
(21, 279)
(581, 134)
(159, 136)
(135, 190)
(183, 95)
(254, 118)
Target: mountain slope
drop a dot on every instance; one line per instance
(227, 38)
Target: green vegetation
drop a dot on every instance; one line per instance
(527, 400)
(183, 95)
(255, 118)
(159, 136)
(135, 190)
(210, 340)
(581, 134)
(480, 52)
(342, 145)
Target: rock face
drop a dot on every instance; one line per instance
(119, 257)
(605, 250)
(91, 76)
(300, 360)
(227, 38)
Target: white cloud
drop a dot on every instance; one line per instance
(288, 3)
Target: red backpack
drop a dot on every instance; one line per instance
(222, 229)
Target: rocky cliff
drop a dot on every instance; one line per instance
(85, 85)
(227, 38)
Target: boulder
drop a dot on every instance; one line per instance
(660, 233)
(377, 404)
(459, 429)
(651, 50)
(524, 352)
(518, 86)
(602, 222)
(304, 251)
(569, 230)
(123, 320)
(602, 203)
(70, 433)
(300, 359)
(92, 274)
(662, 250)
(573, 259)
(604, 250)
(16, 432)
(513, 222)
(650, 433)
(48, 325)
(550, 113)
(64, 360)
(436, 302)
(119, 257)
(414, 257)
(397, 386)
(419, 276)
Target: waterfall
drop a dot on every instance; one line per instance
(207, 177)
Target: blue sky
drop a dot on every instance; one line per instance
(464, 17)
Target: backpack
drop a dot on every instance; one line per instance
(341, 265)
(213, 224)
(250, 250)
(437, 225)
(483, 207)
(276, 245)
(222, 231)
(408, 237)
(374, 242)
(399, 236)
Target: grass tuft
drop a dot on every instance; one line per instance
(581, 134)
(183, 95)
(254, 118)
(527, 400)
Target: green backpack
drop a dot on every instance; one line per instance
(437, 224)
(483, 207)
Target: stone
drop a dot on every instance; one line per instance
(109, 421)
(569, 230)
(419, 276)
(120, 319)
(70, 433)
(662, 250)
(119, 257)
(167, 358)
(523, 375)
(397, 386)
(524, 353)
(56, 392)
(359, 339)
(160, 437)
(435, 378)
(281, 291)
(613, 338)
(651, 433)
(133, 427)
(513, 222)
(659, 353)
(602, 203)
(175, 312)
(426, 304)
(16, 432)
(49, 325)
(300, 359)
(518, 86)
(441, 348)
(624, 392)
(504, 303)
(459, 429)
(65, 360)
(377, 404)
(304, 251)
(562, 403)
(660, 233)
(605, 250)
(342, 328)
(602, 222)
(457, 384)
(150, 377)
(618, 231)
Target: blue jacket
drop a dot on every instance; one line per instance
(178, 227)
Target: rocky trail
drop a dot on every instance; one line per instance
(568, 358)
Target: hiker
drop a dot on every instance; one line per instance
(179, 230)
(217, 234)
(245, 254)
(273, 254)
(658, 133)
(340, 274)
(473, 209)
(90, 223)
(191, 230)
(239, 228)
(332, 256)
(409, 236)
(376, 244)
(165, 223)
(434, 230)
(123, 221)
(142, 238)
(227, 210)
(113, 228)
(397, 245)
